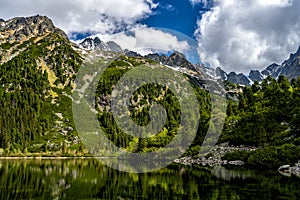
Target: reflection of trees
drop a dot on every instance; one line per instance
(82, 179)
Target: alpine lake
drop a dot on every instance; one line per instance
(90, 179)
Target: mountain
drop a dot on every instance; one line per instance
(271, 70)
(233, 77)
(290, 68)
(256, 75)
(97, 44)
(220, 73)
(174, 60)
(238, 78)
(37, 79)
(20, 30)
(37, 69)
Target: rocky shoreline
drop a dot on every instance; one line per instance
(288, 170)
(214, 158)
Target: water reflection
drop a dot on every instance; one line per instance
(89, 179)
(229, 174)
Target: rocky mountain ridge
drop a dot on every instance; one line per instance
(98, 44)
(16, 32)
(290, 68)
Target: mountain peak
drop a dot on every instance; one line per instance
(255, 75)
(177, 54)
(98, 44)
(238, 78)
(221, 73)
(271, 69)
(298, 51)
(97, 41)
(20, 28)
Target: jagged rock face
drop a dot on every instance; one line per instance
(21, 28)
(271, 70)
(17, 33)
(291, 67)
(255, 75)
(176, 59)
(114, 47)
(293, 59)
(132, 54)
(156, 57)
(220, 73)
(97, 44)
(22, 35)
(238, 78)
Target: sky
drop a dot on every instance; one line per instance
(236, 35)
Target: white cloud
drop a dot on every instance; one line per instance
(144, 40)
(81, 16)
(241, 35)
(205, 3)
(278, 3)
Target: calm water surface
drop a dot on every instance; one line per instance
(89, 179)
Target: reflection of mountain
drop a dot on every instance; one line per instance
(227, 174)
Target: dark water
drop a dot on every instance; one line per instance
(89, 179)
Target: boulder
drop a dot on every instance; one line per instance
(236, 162)
(284, 168)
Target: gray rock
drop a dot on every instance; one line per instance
(29, 27)
(114, 47)
(287, 170)
(255, 75)
(131, 53)
(284, 168)
(97, 44)
(240, 79)
(290, 68)
(236, 162)
(271, 70)
(220, 73)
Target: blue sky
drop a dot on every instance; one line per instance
(177, 15)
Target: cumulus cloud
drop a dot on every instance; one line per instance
(241, 35)
(82, 16)
(144, 40)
